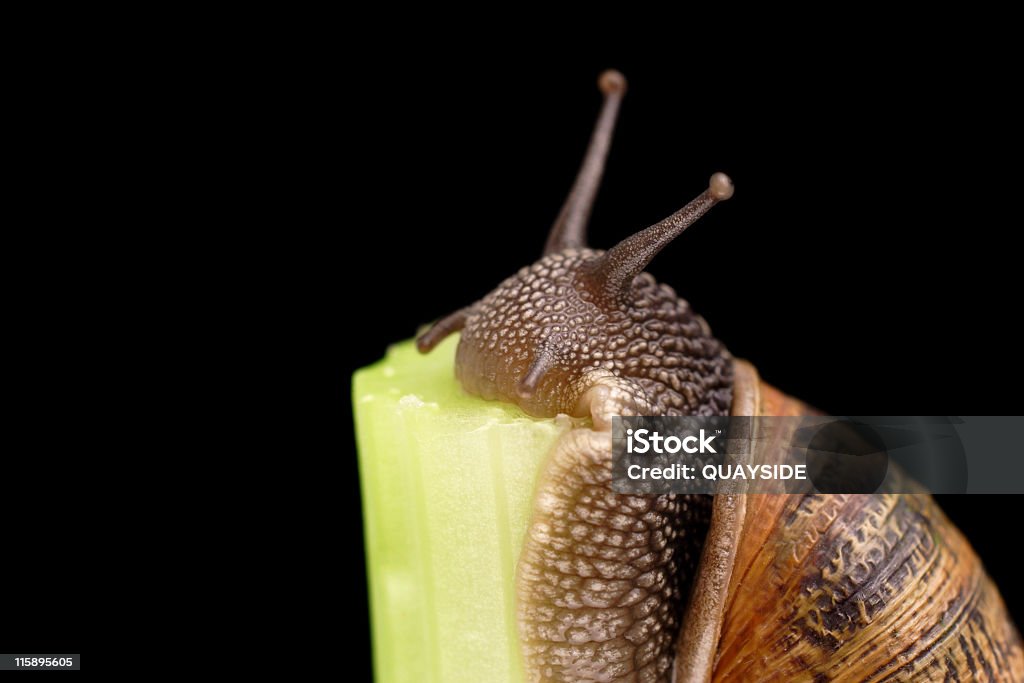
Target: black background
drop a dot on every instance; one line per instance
(861, 264)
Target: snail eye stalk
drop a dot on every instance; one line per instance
(611, 274)
(570, 228)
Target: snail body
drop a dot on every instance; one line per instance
(622, 587)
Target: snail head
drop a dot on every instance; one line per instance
(536, 339)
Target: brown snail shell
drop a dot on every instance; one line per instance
(878, 587)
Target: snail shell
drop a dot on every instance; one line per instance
(816, 588)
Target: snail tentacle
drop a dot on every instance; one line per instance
(436, 333)
(569, 230)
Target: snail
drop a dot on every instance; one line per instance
(687, 588)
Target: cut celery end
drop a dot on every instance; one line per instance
(447, 483)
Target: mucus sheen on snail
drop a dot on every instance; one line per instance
(617, 587)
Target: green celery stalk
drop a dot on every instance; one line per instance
(447, 484)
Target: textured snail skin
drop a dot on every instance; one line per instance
(601, 574)
(650, 337)
(795, 587)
